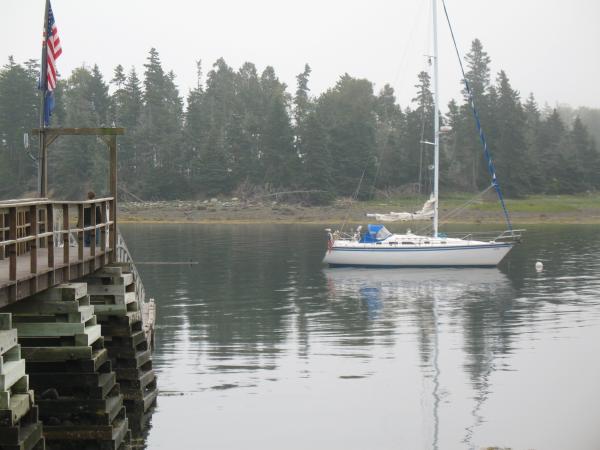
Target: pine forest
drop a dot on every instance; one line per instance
(244, 131)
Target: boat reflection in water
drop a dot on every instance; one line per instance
(411, 284)
(432, 297)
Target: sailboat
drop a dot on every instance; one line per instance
(378, 247)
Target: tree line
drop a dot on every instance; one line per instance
(242, 131)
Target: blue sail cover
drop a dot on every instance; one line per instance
(375, 233)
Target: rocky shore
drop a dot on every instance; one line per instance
(234, 210)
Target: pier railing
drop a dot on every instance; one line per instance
(45, 242)
(147, 306)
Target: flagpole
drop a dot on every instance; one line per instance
(42, 157)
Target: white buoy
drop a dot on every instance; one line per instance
(539, 266)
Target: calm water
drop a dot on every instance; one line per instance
(261, 347)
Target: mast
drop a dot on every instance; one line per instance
(436, 122)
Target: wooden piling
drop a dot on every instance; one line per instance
(20, 428)
(112, 292)
(79, 399)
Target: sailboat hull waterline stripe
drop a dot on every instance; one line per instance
(486, 255)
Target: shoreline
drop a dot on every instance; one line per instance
(537, 211)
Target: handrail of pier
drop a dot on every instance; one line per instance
(147, 307)
(28, 225)
(124, 255)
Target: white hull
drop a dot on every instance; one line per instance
(390, 253)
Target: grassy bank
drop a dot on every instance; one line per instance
(454, 208)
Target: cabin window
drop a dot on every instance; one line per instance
(407, 243)
(443, 242)
(425, 242)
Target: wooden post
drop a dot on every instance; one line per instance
(33, 229)
(65, 237)
(50, 229)
(113, 190)
(80, 234)
(12, 249)
(92, 235)
(44, 167)
(2, 235)
(103, 220)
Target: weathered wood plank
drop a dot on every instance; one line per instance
(26, 308)
(56, 354)
(109, 310)
(91, 335)
(12, 371)
(8, 339)
(49, 329)
(106, 289)
(5, 321)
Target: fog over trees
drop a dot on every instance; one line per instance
(242, 130)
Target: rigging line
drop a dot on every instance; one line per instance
(421, 148)
(387, 133)
(468, 202)
(465, 205)
(458, 209)
(398, 80)
(354, 196)
(486, 152)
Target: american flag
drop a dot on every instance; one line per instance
(53, 50)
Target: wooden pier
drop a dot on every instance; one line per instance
(76, 327)
(43, 243)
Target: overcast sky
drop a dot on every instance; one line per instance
(548, 47)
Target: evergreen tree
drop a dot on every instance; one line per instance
(317, 163)
(159, 136)
(453, 175)
(302, 107)
(348, 118)
(468, 145)
(278, 158)
(244, 125)
(19, 113)
(80, 164)
(419, 156)
(510, 152)
(552, 139)
(99, 99)
(213, 176)
(302, 102)
(194, 129)
(390, 129)
(532, 136)
(478, 71)
(126, 107)
(118, 97)
(585, 156)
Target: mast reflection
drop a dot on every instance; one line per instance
(436, 298)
